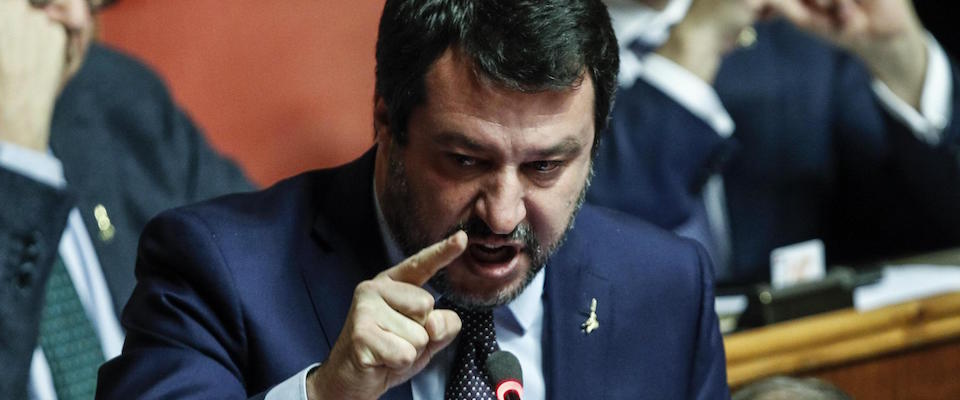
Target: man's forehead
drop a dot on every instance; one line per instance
(454, 82)
(471, 112)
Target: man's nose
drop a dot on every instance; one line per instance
(501, 205)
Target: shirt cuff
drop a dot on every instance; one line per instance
(688, 90)
(294, 388)
(41, 167)
(929, 122)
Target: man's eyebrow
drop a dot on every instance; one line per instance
(569, 146)
(453, 139)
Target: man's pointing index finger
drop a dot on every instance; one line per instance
(418, 268)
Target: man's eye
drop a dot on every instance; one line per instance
(464, 161)
(546, 166)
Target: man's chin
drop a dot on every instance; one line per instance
(484, 285)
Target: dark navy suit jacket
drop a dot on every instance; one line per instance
(238, 294)
(814, 156)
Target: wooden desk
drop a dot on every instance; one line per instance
(905, 351)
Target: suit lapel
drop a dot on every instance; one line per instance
(347, 248)
(571, 284)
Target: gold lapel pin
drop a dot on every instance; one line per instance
(747, 37)
(103, 223)
(591, 324)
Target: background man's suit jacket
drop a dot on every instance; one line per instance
(124, 144)
(814, 156)
(238, 294)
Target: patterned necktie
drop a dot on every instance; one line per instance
(468, 378)
(69, 341)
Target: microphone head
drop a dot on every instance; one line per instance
(505, 375)
(504, 366)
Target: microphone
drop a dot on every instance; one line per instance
(506, 375)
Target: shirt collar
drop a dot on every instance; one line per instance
(518, 315)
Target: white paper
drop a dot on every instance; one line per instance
(903, 283)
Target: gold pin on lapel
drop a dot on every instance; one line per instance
(747, 37)
(591, 324)
(103, 223)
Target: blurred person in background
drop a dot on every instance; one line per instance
(754, 124)
(91, 147)
(789, 388)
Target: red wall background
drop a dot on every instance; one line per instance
(281, 86)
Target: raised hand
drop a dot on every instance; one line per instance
(886, 34)
(32, 57)
(392, 330)
(708, 31)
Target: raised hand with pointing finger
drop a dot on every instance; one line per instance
(392, 330)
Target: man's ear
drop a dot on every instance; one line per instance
(381, 121)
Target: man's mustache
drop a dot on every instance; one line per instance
(476, 228)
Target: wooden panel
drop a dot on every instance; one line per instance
(926, 373)
(840, 338)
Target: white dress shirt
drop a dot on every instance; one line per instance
(78, 254)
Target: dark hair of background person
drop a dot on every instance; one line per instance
(787, 388)
(95, 5)
(938, 17)
(523, 45)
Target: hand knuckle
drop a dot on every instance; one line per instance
(406, 356)
(364, 288)
(427, 302)
(414, 263)
(364, 357)
(420, 339)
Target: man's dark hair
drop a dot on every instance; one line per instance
(525, 45)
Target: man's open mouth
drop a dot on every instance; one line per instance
(492, 253)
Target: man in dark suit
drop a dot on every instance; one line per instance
(833, 123)
(486, 119)
(91, 147)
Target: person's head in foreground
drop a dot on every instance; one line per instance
(789, 388)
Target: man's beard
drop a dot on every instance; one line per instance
(407, 217)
